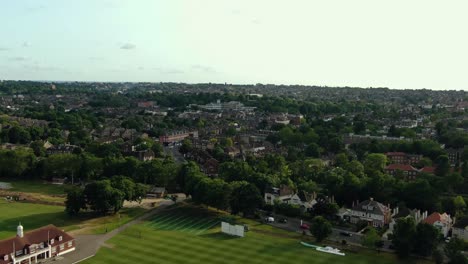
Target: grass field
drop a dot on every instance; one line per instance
(37, 187)
(190, 235)
(30, 215)
(34, 216)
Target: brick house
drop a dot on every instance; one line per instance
(408, 171)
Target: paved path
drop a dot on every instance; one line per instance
(88, 245)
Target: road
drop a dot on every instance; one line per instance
(88, 245)
(174, 152)
(293, 224)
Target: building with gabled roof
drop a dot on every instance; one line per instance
(42, 243)
(441, 221)
(373, 212)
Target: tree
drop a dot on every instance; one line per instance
(186, 146)
(75, 200)
(453, 251)
(442, 165)
(371, 238)
(403, 236)
(426, 239)
(245, 197)
(375, 163)
(460, 205)
(38, 148)
(102, 197)
(320, 228)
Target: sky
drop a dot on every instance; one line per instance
(401, 44)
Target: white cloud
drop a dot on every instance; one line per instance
(19, 58)
(128, 46)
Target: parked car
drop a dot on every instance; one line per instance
(269, 219)
(348, 234)
(283, 220)
(305, 226)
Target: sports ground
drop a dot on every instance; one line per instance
(192, 235)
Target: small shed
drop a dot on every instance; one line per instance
(156, 192)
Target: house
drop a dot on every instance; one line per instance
(61, 149)
(232, 151)
(211, 167)
(403, 158)
(454, 155)
(460, 229)
(156, 192)
(144, 155)
(442, 221)
(287, 196)
(409, 172)
(42, 243)
(405, 213)
(373, 212)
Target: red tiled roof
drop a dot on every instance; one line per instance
(36, 236)
(432, 218)
(402, 167)
(428, 169)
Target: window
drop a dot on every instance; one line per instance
(62, 247)
(70, 244)
(52, 241)
(60, 238)
(5, 258)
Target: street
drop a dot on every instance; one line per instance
(293, 224)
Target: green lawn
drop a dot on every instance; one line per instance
(30, 215)
(37, 187)
(34, 216)
(188, 235)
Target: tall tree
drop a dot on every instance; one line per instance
(426, 239)
(245, 198)
(320, 228)
(403, 236)
(371, 238)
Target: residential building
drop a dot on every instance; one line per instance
(403, 158)
(460, 229)
(373, 212)
(405, 213)
(288, 196)
(42, 243)
(408, 171)
(442, 221)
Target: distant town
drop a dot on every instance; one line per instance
(90, 168)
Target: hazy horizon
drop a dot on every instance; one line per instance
(363, 43)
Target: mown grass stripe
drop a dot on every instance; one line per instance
(208, 228)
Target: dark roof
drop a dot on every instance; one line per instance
(402, 167)
(157, 190)
(461, 223)
(371, 206)
(35, 236)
